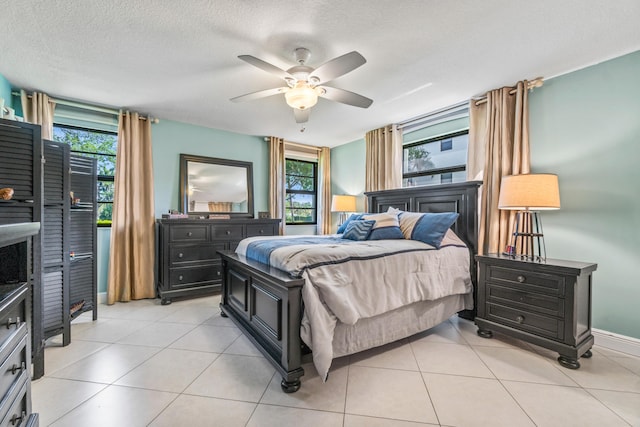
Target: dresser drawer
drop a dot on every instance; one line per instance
(261, 230)
(179, 255)
(14, 356)
(541, 303)
(538, 324)
(15, 404)
(526, 280)
(11, 321)
(189, 233)
(193, 276)
(228, 232)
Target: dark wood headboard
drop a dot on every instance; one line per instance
(459, 197)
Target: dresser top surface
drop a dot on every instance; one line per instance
(551, 263)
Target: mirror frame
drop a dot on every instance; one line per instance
(184, 184)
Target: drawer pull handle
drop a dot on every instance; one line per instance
(521, 279)
(11, 322)
(218, 272)
(180, 255)
(520, 319)
(189, 234)
(180, 277)
(261, 231)
(15, 368)
(228, 232)
(15, 419)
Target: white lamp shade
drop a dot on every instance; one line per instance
(529, 191)
(343, 203)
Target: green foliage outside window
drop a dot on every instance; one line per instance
(301, 184)
(101, 146)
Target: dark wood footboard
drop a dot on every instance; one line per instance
(266, 304)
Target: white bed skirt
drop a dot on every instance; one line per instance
(397, 324)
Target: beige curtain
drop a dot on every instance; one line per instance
(383, 170)
(276, 180)
(506, 152)
(324, 191)
(132, 232)
(38, 109)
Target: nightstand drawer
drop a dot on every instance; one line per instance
(14, 408)
(526, 280)
(520, 299)
(195, 275)
(228, 232)
(11, 321)
(189, 233)
(524, 320)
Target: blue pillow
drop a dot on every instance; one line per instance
(429, 228)
(358, 229)
(386, 227)
(353, 217)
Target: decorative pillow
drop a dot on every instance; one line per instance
(353, 217)
(387, 226)
(429, 228)
(358, 229)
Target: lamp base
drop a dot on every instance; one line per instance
(528, 238)
(342, 218)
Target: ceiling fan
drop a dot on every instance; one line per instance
(304, 83)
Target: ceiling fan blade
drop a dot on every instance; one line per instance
(302, 116)
(265, 66)
(346, 97)
(338, 67)
(260, 94)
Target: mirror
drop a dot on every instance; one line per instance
(215, 186)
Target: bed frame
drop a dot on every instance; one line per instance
(266, 303)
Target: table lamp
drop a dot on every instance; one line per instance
(343, 203)
(527, 194)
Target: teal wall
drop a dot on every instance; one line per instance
(102, 253)
(347, 174)
(5, 92)
(170, 139)
(585, 127)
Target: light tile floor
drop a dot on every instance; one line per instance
(145, 364)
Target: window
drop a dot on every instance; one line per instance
(301, 187)
(100, 145)
(435, 161)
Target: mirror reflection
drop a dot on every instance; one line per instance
(215, 186)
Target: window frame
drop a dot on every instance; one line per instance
(435, 171)
(100, 178)
(313, 193)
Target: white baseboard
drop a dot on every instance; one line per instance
(102, 297)
(621, 343)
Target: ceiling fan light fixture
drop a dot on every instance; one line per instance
(301, 96)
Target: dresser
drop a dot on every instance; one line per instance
(15, 320)
(547, 303)
(187, 259)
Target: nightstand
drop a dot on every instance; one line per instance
(547, 303)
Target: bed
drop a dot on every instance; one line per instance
(266, 302)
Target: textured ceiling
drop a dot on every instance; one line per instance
(177, 60)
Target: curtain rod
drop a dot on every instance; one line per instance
(91, 107)
(531, 84)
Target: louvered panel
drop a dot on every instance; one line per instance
(52, 236)
(52, 301)
(80, 231)
(54, 154)
(17, 160)
(15, 213)
(81, 284)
